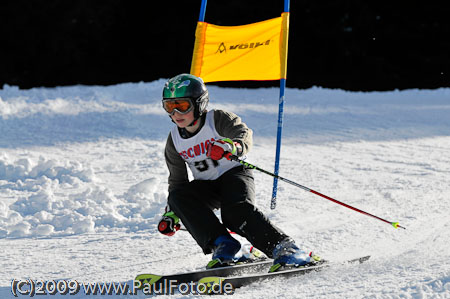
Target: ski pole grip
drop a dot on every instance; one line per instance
(167, 226)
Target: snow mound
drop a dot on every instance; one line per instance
(51, 204)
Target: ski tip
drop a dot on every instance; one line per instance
(147, 279)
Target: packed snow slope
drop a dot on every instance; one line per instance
(83, 183)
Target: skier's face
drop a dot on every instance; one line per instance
(183, 120)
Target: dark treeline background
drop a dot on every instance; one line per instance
(348, 44)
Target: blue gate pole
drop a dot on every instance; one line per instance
(202, 11)
(273, 201)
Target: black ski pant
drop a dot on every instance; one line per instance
(234, 194)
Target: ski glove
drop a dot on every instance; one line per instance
(223, 148)
(169, 224)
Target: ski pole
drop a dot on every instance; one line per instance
(251, 166)
(185, 230)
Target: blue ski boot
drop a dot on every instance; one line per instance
(225, 249)
(287, 254)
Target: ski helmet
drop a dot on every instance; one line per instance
(190, 87)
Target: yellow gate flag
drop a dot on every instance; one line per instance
(255, 51)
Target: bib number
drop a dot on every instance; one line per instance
(204, 165)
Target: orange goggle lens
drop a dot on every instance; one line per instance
(182, 106)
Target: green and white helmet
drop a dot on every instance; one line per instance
(190, 87)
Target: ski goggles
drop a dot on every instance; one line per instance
(180, 105)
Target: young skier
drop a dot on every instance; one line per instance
(204, 140)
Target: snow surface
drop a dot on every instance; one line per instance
(83, 184)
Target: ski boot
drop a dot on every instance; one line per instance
(225, 249)
(287, 255)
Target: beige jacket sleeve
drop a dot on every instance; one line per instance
(177, 167)
(231, 126)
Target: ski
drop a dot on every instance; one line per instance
(184, 277)
(239, 281)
